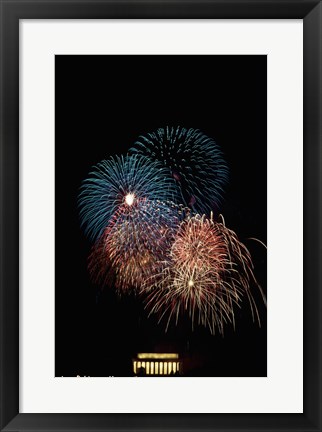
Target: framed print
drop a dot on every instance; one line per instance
(160, 216)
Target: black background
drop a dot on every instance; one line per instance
(103, 103)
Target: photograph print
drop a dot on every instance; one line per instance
(160, 216)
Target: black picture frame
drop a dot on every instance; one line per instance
(14, 10)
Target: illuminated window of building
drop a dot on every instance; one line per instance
(156, 363)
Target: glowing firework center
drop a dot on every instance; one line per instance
(157, 364)
(129, 199)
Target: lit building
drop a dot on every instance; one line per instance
(157, 364)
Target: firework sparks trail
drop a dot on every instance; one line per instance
(117, 181)
(206, 273)
(195, 161)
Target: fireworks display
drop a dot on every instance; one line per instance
(195, 161)
(206, 274)
(136, 239)
(147, 214)
(117, 181)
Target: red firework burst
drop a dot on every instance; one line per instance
(134, 243)
(206, 273)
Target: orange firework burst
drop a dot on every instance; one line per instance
(99, 265)
(134, 243)
(206, 273)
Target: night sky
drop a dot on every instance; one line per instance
(103, 103)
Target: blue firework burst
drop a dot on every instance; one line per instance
(119, 181)
(194, 160)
